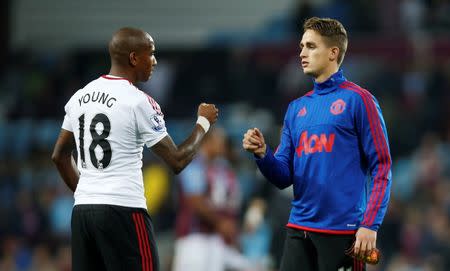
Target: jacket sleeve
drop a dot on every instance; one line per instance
(277, 167)
(374, 142)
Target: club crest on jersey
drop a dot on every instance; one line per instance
(301, 112)
(337, 107)
(158, 123)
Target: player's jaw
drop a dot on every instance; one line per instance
(151, 69)
(315, 64)
(311, 64)
(152, 66)
(148, 68)
(310, 68)
(307, 68)
(148, 73)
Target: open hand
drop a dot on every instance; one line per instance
(364, 247)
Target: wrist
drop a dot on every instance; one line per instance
(204, 123)
(261, 154)
(368, 228)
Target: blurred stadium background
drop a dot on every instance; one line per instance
(242, 56)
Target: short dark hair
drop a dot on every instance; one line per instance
(333, 32)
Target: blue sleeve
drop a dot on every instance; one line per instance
(193, 179)
(277, 168)
(374, 141)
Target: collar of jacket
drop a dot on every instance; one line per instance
(331, 84)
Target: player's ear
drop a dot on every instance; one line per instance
(132, 57)
(334, 53)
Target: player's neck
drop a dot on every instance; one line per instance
(117, 71)
(327, 73)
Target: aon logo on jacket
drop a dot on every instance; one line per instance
(314, 143)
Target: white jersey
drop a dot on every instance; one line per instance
(111, 121)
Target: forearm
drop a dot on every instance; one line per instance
(379, 188)
(377, 204)
(178, 157)
(278, 173)
(68, 170)
(187, 150)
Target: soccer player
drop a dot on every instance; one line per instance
(333, 140)
(108, 122)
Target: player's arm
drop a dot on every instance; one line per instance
(277, 168)
(373, 137)
(375, 145)
(178, 157)
(63, 159)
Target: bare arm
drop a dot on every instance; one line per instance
(63, 159)
(178, 157)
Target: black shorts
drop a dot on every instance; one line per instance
(312, 251)
(109, 237)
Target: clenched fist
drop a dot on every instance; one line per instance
(209, 111)
(254, 142)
